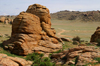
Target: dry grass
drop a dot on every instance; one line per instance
(67, 29)
(71, 29)
(5, 29)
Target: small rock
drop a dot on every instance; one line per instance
(76, 43)
(70, 62)
(66, 39)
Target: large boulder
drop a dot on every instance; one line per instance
(43, 13)
(32, 34)
(96, 36)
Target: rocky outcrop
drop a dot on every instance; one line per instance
(13, 61)
(2, 19)
(79, 56)
(32, 32)
(96, 36)
(6, 20)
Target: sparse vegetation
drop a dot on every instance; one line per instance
(98, 59)
(82, 29)
(98, 41)
(77, 38)
(38, 60)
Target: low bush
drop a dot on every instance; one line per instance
(98, 41)
(77, 38)
(98, 59)
(38, 60)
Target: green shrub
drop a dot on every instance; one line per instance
(38, 60)
(47, 64)
(41, 55)
(1, 36)
(46, 59)
(72, 65)
(42, 64)
(98, 59)
(98, 41)
(77, 38)
(35, 65)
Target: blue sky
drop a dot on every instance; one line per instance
(14, 7)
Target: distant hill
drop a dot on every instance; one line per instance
(86, 16)
(77, 15)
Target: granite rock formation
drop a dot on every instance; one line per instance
(32, 32)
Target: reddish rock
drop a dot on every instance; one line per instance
(56, 55)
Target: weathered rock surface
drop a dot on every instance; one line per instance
(13, 61)
(79, 56)
(41, 11)
(32, 32)
(96, 36)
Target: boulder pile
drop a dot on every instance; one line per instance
(6, 20)
(32, 32)
(79, 56)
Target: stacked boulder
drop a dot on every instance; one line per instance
(32, 32)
